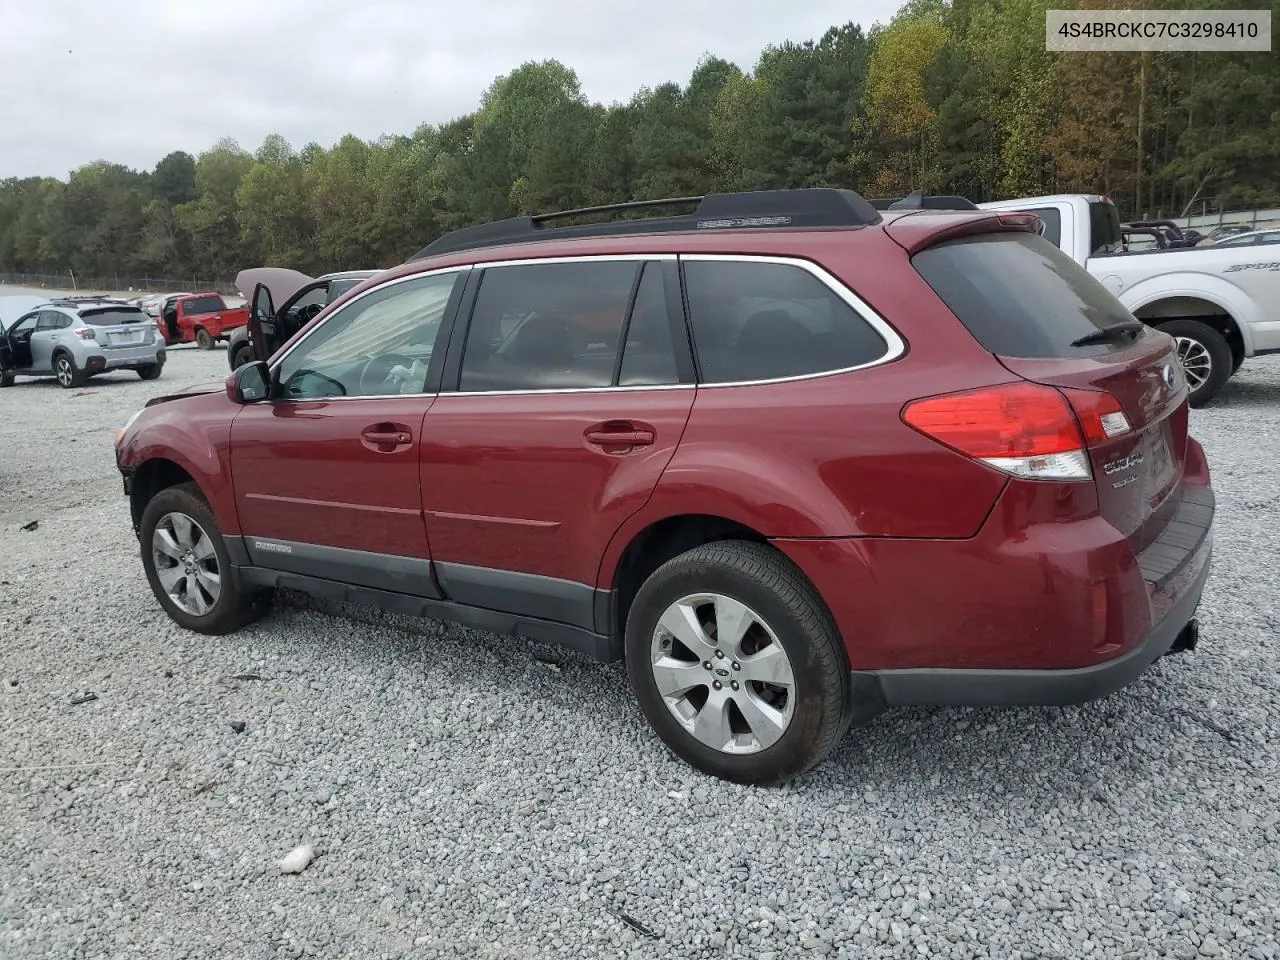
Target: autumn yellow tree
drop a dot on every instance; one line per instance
(895, 136)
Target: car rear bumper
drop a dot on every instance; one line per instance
(127, 358)
(1048, 612)
(1178, 630)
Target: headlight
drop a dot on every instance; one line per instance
(127, 424)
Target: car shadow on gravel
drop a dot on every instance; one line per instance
(1120, 742)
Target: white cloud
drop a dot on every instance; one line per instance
(131, 80)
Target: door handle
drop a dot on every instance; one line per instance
(386, 436)
(620, 433)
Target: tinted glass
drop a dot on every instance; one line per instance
(338, 287)
(378, 345)
(1052, 223)
(1104, 228)
(1020, 296)
(1269, 237)
(113, 317)
(761, 321)
(199, 305)
(50, 320)
(649, 357)
(547, 326)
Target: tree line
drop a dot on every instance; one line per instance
(954, 97)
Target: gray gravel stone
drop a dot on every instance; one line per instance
(139, 826)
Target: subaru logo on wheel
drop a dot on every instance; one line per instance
(722, 671)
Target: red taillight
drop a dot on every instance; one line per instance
(1099, 414)
(1025, 429)
(86, 333)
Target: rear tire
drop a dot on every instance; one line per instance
(1205, 357)
(6, 379)
(767, 731)
(69, 376)
(151, 371)
(203, 340)
(188, 566)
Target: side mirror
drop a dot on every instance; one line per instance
(250, 383)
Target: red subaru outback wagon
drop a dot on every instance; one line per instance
(794, 457)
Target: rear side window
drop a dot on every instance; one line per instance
(755, 320)
(1052, 223)
(1020, 296)
(199, 305)
(113, 317)
(548, 326)
(1104, 228)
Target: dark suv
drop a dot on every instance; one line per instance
(794, 458)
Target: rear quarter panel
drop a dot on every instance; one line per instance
(829, 456)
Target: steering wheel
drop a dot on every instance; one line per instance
(376, 373)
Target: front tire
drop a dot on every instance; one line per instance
(6, 379)
(243, 354)
(68, 375)
(203, 339)
(737, 664)
(1204, 355)
(187, 564)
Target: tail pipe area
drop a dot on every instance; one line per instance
(1188, 637)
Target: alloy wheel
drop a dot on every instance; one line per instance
(65, 373)
(1196, 362)
(186, 563)
(722, 673)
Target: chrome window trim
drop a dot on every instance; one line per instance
(895, 345)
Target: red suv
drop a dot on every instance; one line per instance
(795, 458)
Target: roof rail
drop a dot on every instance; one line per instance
(805, 207)
(917, 200)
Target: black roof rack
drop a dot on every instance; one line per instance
(918, 201)
(806, 207)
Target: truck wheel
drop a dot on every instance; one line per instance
(203, 340)
(188, 567)
(69, 375)
(1205, 357)
(737, 664)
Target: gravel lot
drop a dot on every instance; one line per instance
(466, 798)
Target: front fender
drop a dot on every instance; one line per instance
(195, 434)
(1221, 293)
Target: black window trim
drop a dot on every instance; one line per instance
(438, 358)
(895, 345)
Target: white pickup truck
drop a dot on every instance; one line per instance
(1221, 304)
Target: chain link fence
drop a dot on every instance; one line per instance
(116, 283)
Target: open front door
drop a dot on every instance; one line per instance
(262, 328)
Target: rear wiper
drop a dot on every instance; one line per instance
(1106, 333)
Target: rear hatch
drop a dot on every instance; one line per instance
(1050, 322)
(119, 327)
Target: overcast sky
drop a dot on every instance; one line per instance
(131, 80)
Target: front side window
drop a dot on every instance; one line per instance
(24, 327)
(755, 320)
(378, 345)
(546, 326)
